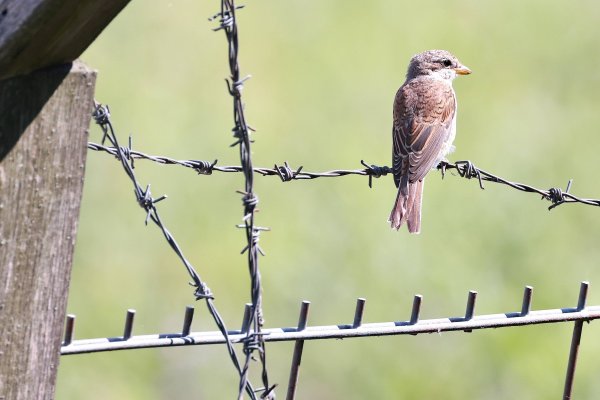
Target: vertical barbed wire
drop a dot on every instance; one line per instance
(101, 115)
(253, 341)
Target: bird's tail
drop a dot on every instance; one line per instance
(408, 208)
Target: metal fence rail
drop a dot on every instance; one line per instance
(411, 326)
(341, 331)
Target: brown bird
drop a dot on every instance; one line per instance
(424, 129)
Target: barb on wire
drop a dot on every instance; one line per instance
(101, 115)
(556, 196)
(254, 341)
(201, 167)
(465, 169)
(284, 172)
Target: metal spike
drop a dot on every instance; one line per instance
(416, 309)
(69, 326)
(583, 291)
(526, 307)
(470, 305)
(246, 318)
(358, 312)
(128, 324)
(187, 321)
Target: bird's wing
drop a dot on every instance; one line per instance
(423, 113)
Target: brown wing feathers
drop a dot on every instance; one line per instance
(422, 124)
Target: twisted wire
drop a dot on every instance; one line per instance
(465, 169)
(101, 115)
(241, 133)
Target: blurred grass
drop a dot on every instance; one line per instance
(324, 76)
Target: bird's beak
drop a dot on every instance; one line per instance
(462, 70)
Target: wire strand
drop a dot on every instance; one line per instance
(465, 169)
(101, 115)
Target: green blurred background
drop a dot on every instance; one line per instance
(324, 74)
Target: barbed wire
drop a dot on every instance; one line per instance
(252, 336)
(284, 172)
(465, 169)
(555, 195)
(254, 341)
(101, 115)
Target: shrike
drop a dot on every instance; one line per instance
(424, 129)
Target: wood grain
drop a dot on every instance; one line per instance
(43, 135)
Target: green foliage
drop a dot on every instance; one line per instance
(324, 76)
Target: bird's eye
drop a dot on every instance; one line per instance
(446, 62)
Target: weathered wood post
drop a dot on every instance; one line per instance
(43, 125)
(46, 101)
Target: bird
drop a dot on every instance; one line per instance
(423, 131)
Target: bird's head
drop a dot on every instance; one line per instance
(439, 63)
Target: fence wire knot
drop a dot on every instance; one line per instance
(126, 150)
(466, 169)
(253, 341)
(557, 196)
(202, 291)
(255, 237)
(146, 201)
(101, 114)
(235, 87)
(226, 19)
(250, 200)
(285, 172)
(203, 167)
(238, 133)
(375, 171)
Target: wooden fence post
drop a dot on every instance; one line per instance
(44, 120)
